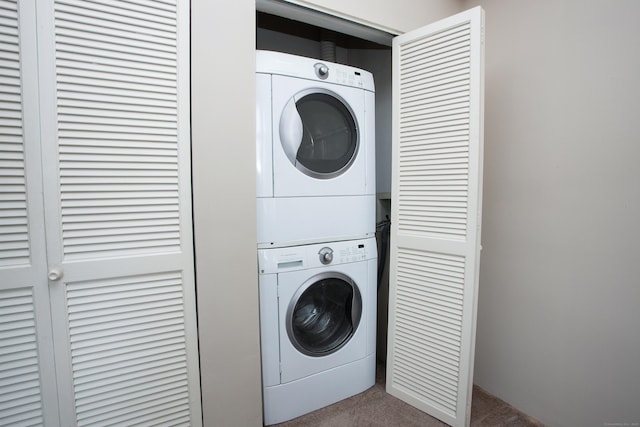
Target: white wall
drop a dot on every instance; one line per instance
(558, 312)
(223, 151)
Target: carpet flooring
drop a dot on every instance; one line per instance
(376, 408)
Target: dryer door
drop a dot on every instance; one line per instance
(322, 138)
(319, 134)
(324, 314)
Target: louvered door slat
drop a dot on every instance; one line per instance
(20, 393)
(14, 241)
(452, 160)
(117, 324)
(445, 325)
(435, 215)
(106, 151)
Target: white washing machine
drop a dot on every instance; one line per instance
(315, 150)
(317, 325)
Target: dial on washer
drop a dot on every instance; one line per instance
(326, 255)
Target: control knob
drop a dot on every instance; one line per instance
(322, 71)
(326, 255)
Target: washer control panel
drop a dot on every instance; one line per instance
(278, 260)
(352, 253)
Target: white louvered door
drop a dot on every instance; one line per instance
(28, 394)
(436, 214)
(105, 146)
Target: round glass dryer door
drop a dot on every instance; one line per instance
(324, 314)
(319, 133)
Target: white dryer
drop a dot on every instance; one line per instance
(315, 150)
(317, 325)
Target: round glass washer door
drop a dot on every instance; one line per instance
(319, 133)
(324, 314)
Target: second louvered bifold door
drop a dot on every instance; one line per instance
(114, 111)
(28, 394)
(436, 207)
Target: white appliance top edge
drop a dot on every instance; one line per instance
(269, 62)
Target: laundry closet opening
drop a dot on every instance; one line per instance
(280, 34)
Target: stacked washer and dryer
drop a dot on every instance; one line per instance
(316, 232)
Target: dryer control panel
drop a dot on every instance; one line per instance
(278, 260)
(284, 64)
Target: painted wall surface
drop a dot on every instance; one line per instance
(559, 288)
(223, 150)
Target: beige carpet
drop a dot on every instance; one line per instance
(376, 408)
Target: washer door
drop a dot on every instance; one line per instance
(324, 314)
(319, 133)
